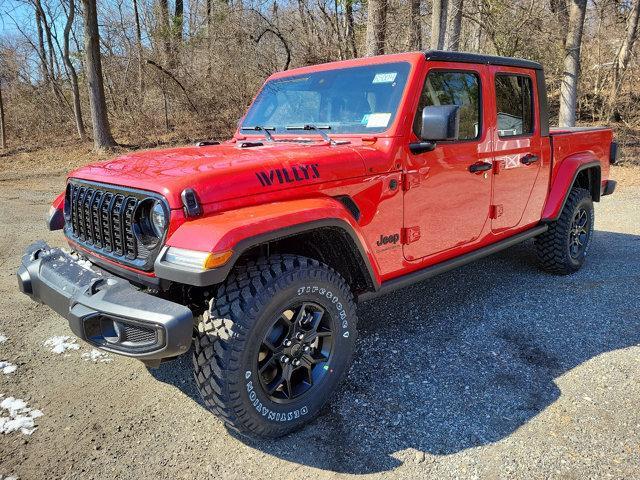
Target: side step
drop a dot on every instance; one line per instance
(433, 270)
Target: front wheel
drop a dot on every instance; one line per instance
(562, 249)
(274, 344)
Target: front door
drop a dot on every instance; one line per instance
(445, 204)
(518, 156)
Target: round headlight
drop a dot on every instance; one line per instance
(158, 219)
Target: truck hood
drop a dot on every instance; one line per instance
(227, 171)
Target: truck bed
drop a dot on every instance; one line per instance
(568, 141)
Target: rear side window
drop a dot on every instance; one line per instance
(514, 99)
(453, 88)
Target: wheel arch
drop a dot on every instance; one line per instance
(320, 228)
(582, 170)
(330, 241)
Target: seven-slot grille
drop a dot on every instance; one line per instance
(102, 218)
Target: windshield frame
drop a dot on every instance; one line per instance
(391, 128)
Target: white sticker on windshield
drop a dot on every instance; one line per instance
(386, 77)
(377, 120)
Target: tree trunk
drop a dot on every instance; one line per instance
(456, 25)
(163, 31)
(136, 16)
(178, 21)
(73, 77)
(44, 69)
(573, 42)
(350, 27)
(42, 23)
(622, 61)
(414, 37)
(102, 138)
(3, 131)
(438, 23)
(376, 27)
(336, 27)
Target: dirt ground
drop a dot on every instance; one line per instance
(494, 370)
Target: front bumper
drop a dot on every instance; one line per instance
(106, 311)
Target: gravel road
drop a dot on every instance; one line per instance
(494, 370)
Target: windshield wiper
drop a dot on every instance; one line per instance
(315, 128)
(265, 130)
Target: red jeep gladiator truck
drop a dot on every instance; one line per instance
(343, 182)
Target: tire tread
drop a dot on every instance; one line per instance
(222, 331)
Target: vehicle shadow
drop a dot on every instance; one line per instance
(464, 359)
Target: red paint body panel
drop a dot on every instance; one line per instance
(222, 232)
(571, 150)
(246, 192)
(58, 203)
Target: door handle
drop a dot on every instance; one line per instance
(480, 167)
(529, 159)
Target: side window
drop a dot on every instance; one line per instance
(453, 88)
(514, 99)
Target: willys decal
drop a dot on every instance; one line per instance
(295, 173)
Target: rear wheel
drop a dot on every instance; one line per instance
(274, 344)
(562, 249)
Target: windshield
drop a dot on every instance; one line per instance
(348, 100)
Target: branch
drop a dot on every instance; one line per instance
(284, 43)
(172, 77)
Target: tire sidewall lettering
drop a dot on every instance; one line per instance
(335, 300)
(268, 413)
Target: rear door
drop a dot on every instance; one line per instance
(446, 205)
(517, 147)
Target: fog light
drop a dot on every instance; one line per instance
(195, 259)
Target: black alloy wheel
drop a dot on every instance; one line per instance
(295, 353)
(579, 233)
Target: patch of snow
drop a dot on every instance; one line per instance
(97, 356)
(7, 367)
(61, 344)
(14, 405)
(21, 417)
(87, 265)
(84, 264)
(3, 338)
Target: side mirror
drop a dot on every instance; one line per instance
(440, 122)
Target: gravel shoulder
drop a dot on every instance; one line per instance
(494, 370)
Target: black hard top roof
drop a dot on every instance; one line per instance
(464, 57)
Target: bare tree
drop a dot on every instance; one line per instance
(414, 33)
(178, 21)
(376, 27)
(455, 30)
(622, 60)
(136, 17)
(44, 69)
(475, 43)
(350, 30)
(438, 23)
(163, 30)
(3, 131)
(73, 76)
(560, 9)
(571, 72)
(53, 61)
(102, 138)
